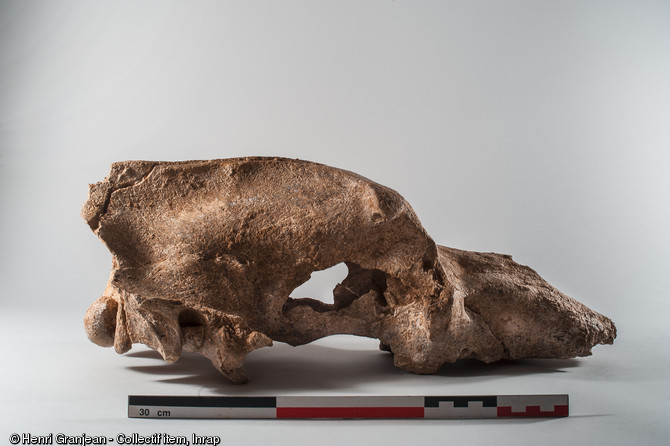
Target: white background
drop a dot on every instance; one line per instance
(539, 129)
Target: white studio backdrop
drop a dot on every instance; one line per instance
(539, 129)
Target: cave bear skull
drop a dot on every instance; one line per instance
(206, 255)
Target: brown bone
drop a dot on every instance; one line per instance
(207, 253)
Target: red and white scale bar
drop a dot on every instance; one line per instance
(435, 407)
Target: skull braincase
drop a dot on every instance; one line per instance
(207, 253)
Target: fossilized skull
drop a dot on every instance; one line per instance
(206, 255)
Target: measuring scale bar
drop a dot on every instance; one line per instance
(299, 407)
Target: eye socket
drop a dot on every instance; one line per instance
(351, 282)
(321, 284)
